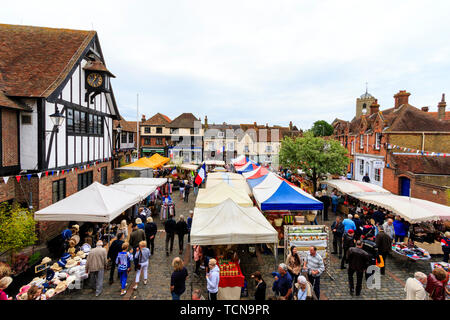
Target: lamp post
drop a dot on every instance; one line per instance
(57, 119)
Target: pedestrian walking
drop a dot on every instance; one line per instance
(414, 287)
(436, 284)
(282, 286)
(384, 245)
(358, 226)
(178, 279)
(151, 229)
(123, 262)
(304, 290)
(358, 261)
(388, 227)
(195, 188)
(139, 223)
(181, 186)
(445, 243)
(116, 247)
(187, 189)
(170, 227)
(212, 279)
(198, 257)
(349, 224)
(326, 204)
(123, 228)
(338, 232)
(95, 267)
(294, 264)
(348, 241)
(334, 202)
(181, 230)
(366, 178)
(136, 237)
(189, 224)
(315, 267)
(260, 289)
(142, 256)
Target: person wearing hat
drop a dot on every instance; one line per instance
(384, 245)
(282, 286)
(358, 261)
(4, 283)
(95, 266)
(348, 241)
(445, 243)
(150, 233)
(304, 289)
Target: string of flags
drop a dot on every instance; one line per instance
(423, 153)
(57, 172)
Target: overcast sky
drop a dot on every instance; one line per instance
(264, 61)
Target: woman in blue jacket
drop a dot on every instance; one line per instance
(400, 229)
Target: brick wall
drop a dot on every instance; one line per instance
(430, 192)
(433, 142)
(10, 139)
(7, 191)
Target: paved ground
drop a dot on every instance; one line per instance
(160, 269)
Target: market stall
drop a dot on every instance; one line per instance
(225, 176)
(240, 161)
(250, 166)
(229, 224)
(158, 182)
(143, 191)
(237, 184)
(213, 196)
(257, 173)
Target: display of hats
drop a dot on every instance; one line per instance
(75, 238)
(65, 256)
(83, 262)
(61, 287)
(66, 234)
(70, 279)
(77, 259)
(74, 269)
(46, 260)
(22, 296)
(62, 275)
(61, 263)
(81, 254)
(50, 293)
(56, 280)
(71, 263)
(56, 267)
(86, 248)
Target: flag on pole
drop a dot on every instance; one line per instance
(174, 172)
(201, 175)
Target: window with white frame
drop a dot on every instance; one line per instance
(361, 167)
(361, 141)
(269, 148)
(230, 146)
(220, 134)
(377, 175)
(377, 140)
(246, 149)
(353, 147)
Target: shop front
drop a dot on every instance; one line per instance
(373, 165)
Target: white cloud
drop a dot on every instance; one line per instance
(264, 61)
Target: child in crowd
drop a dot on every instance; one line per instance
(123, 262)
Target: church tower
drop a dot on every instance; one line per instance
(364, 102)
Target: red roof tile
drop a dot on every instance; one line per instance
(35, 60)
(158, 119)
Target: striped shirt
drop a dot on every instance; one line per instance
(315, 263)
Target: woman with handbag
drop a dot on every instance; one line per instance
(142, 256)
(294, 264)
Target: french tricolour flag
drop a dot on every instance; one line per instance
(201, 175)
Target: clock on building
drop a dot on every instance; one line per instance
(97, 79)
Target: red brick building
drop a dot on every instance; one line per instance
(155, 135)
(388, 146)
(44, 73)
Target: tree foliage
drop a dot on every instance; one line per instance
(313, 155)
(17, 227)
(322, 128)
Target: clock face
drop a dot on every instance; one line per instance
(95, 80)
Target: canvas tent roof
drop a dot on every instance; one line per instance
(229, 223)
(250, 166)
(213, 196)
(191, 167)
(237, 184)
(352, 186)
(225, 176)
(140, 163)
(214, 162)
(240, 161)
(155, 161)
(95, 203)
(411, 209)
(143, 191)
(158, 160)
(258, 173)
(144, 181)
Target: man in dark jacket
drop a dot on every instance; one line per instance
(384, 245)
(136, 236)
(358, 224)
(187, 189)
(378, 216)
(150, 233)
(348, 241)
(358, 260)
(170, 226)
(116, 247)
(326, 204)
(338, 232)
(182, 229)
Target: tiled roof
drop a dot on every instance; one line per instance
(13, 104)
(184, 120)
(446, 117)
(421, 164)
(129, 126)
(35, 60)
(158, 119)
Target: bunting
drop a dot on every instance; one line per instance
(423, 153)
(5, 179)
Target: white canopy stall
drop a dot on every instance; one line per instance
(96, 203)
(411, 209)
(144, 181)
(143, 191)
(351, 186)
(238, 184)
(211, 197)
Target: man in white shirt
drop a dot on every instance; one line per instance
(414, 287)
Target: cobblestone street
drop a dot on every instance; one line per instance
(160, 269)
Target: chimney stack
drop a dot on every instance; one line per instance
(290, 125)
(143, 118)
(425, 109)
(206, 122)
(441, 108)
(375, 107)
(401, 98)
(254, 123)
